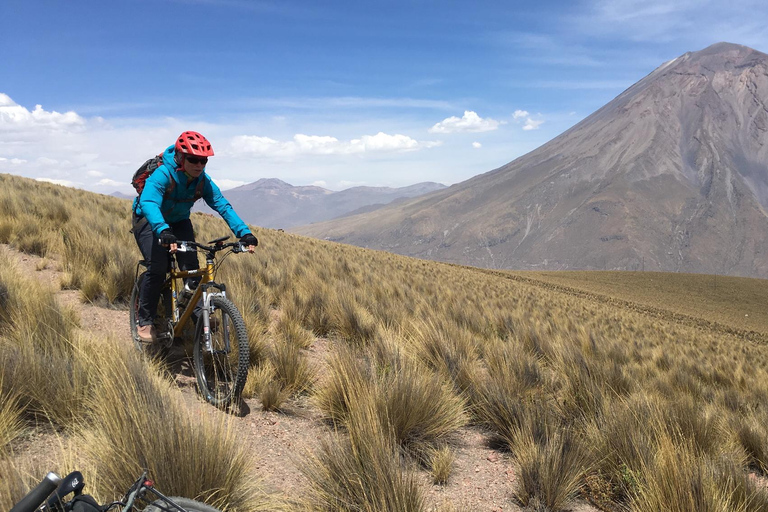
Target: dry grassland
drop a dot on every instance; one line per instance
(737, 303)
(590, 391)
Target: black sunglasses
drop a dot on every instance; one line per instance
(194, 160)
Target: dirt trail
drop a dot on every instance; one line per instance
(482, 479)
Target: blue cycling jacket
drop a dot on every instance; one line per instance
(160, 211)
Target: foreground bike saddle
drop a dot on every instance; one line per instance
(72, 483)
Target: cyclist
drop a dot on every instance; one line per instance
(161, 217)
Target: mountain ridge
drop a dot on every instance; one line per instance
(273, 203)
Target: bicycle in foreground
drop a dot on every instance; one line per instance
(49, 496)
(221, 353)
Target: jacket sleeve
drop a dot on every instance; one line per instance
(151, 199)
(214, 198)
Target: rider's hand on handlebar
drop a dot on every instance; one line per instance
(249, 240)
(168, 239)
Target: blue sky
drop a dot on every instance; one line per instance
(333, 93)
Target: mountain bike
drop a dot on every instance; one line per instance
(44, 498)
(221, 353)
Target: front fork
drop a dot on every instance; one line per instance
(208, 310)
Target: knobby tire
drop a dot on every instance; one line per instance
(185, 503)
(221, 376)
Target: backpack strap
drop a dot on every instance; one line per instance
(169, 189)
(198, 191)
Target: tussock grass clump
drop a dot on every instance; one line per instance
(361, 471)
(290, 331)
(751, 435)
(137, 422)
(450, 351)
(11, 425)
(29, 311)
(263, 385)
(38, 350)
(550, 469)
(626, 435)
(513, 388)
(351, 321)
(679, 480)
(309, 305)
(421, 409)
(349, 377)
(441, 464)
(291, 367)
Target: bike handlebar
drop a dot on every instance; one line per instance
(182, 246)
(37, 496)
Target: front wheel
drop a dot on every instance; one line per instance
(221, 359)
(185, 503)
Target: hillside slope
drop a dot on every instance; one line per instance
(429, 358)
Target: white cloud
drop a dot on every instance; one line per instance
(469, 122)
(326, 145)
(13, 161)
(254, 144)
(317, 144)
(15, 117)
(531, 124)
(95, 174)
(66, 183)
(476, 145)
(320, 183)
(106, 182)
(383, 142)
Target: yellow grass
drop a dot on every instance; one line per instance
(734, 302)
(628, 364)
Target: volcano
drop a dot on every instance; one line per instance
(671, 175)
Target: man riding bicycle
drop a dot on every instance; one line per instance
(161, 217)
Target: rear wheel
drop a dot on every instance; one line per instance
(221, 366)
(161, 320)
(185, 503)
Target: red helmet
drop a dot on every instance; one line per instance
(192, 143)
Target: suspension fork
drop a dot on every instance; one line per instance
(209, 275)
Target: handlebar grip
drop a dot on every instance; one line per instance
(37, 496)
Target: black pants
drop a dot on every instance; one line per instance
(157, 258)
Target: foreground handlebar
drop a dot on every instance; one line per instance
(182, 246)
(37, 496)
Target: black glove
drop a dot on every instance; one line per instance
(248, 239)
(167, 237)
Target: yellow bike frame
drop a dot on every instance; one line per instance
(177, 285)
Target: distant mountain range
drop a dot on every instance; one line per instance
(671, 175)
(273, 203)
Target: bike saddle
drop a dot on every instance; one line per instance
(73, 482)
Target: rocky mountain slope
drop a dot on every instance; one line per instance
(671, 175)
(273, 203)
